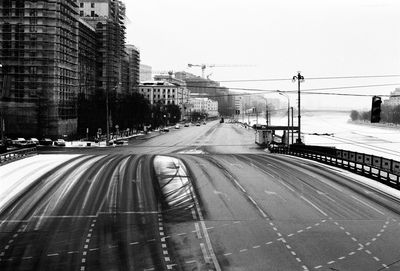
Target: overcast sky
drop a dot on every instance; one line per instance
(274, 39)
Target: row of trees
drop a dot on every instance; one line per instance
(131, 111)
(389, 114)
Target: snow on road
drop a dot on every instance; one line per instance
(16, 176)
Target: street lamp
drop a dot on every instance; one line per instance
(299, 79)
(288, 116)
(108, 117)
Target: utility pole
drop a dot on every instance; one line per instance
(299, 79)
(266, 115)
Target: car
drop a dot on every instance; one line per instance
(46, 141)
(165, 129)
(204, 123)
(198, 124)
(177, 126)
(186, 125)
(20, 142)
(34, 140)
(59, 142)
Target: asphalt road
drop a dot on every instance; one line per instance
(197, 198)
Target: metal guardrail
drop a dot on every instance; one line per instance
(14, 155)
(384, 170)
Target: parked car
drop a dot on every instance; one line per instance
(34, 140)
(165, 129)
(20, 142)
(198, 124)
(59, 142)
(204, 123)
(177, 126)
(186, 125)
(46, 142)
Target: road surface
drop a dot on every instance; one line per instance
(197, 198)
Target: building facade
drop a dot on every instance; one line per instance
(39, 58)
(204, 105)
(133, 67)
(87, 60)
(394, 98)
(107, 17)
(165, 92)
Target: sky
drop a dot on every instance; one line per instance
(266, 39)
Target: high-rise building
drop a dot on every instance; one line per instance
(39, 58)
(87, 59)
(108, 19)
(133, 67)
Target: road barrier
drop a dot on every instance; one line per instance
(384, 170)
(18, 154)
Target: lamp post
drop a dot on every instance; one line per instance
(299, 79)
(108, 117)
(288, 116)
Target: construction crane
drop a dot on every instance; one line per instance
(204, 66)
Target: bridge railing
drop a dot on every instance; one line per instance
(384, 170)
(18, 154)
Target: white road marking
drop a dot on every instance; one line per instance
(287, 186)
(312, 204)
(243, 250)
(366, 204)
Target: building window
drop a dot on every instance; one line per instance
(92, 5)
(81, 12)
(92, 13)
(81, 5)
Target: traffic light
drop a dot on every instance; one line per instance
(376, 109)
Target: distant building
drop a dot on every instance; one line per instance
(209, 89)
(204, 105)
(166, 92)
(145, 73)
(394, 98)
(39, 74)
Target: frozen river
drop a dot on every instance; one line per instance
(380, 141)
